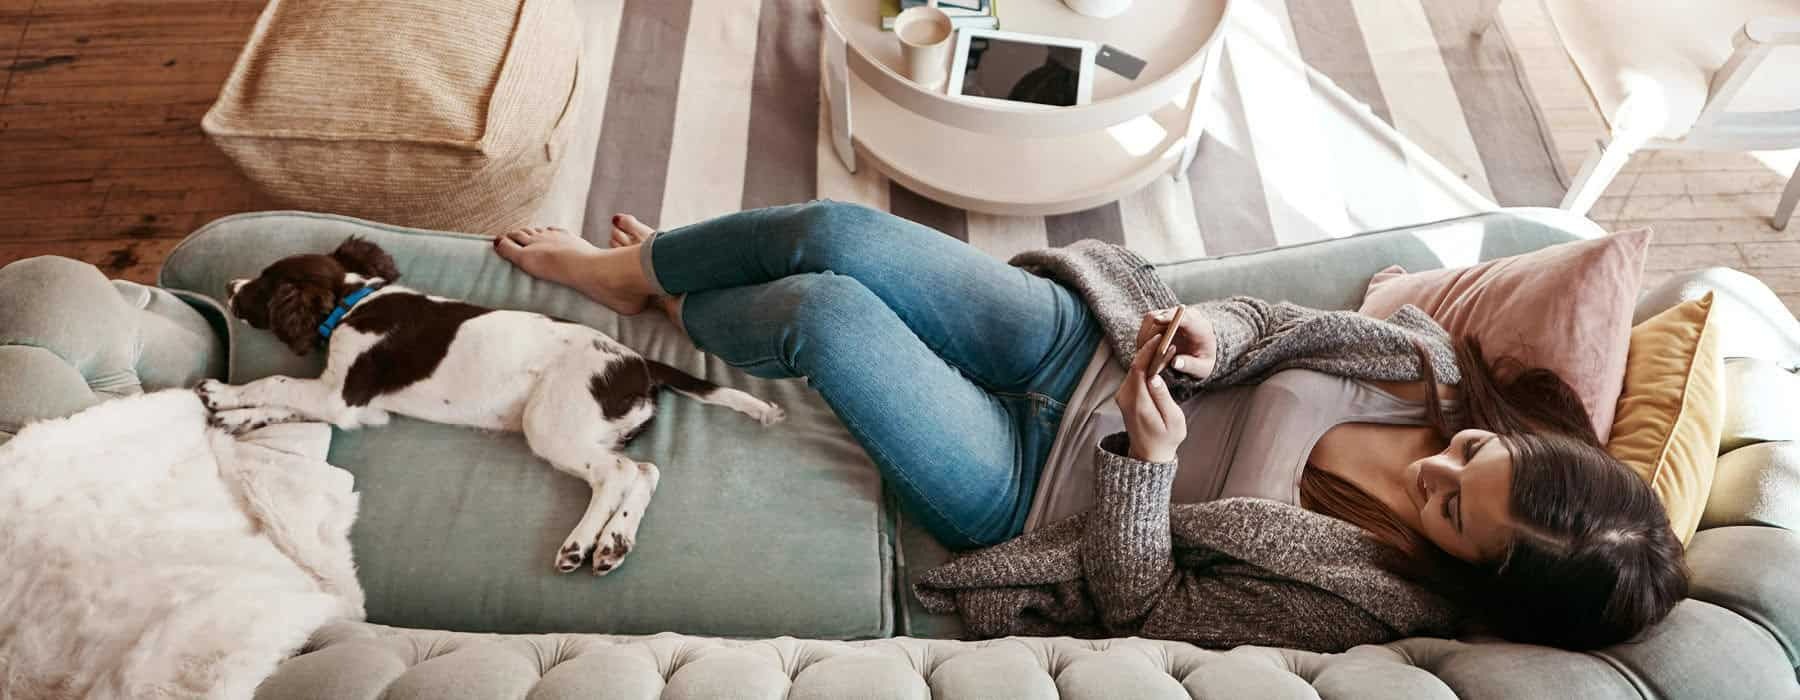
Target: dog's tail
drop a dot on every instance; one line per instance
(698, 389)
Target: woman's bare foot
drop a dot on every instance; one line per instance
(555, 255)
(628, 231)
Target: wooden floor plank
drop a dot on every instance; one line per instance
(99, 67)
(68, 28)
(1782, 254)
(1711, 182)
(135, 260)
(1686, 161)
(1688, 231)
(1750, 206)
(1694, 256)
(12, 29)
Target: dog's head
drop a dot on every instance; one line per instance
(293, 296)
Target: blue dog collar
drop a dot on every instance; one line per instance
(343, 307)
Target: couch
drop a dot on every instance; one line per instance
(771, 563)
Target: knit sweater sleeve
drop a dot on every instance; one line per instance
(1125, 551)
(1241, 328)
(1255, 337)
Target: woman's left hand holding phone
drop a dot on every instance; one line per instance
(1196, 345)
(1152, 417)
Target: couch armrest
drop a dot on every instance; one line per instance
(1758, 478)
(1756, 485)
(69, 339)
(1755, 322)
(1751, 571)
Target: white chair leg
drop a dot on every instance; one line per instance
(1602, 165)
(1785, 210)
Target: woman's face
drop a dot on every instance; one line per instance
(1464, 496)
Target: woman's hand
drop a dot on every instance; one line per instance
(1196, 347)
(1152, 418)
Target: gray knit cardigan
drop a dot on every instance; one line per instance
(1222, 573)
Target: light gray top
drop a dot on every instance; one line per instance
(1247, 440)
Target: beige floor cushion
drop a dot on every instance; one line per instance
(441, 114)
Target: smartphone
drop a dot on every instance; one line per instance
(1168, 339)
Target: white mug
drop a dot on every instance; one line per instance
(1098, 8)
(925, 42)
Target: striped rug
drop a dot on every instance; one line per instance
(1327, 117)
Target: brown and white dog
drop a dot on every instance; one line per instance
(577, 394)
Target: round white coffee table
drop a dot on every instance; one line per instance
(1001, 159)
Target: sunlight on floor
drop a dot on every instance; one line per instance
(1360, 159)
(1782, 162)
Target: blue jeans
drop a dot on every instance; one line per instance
(950, 367)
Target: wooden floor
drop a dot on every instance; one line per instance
(101, 154)
(102, 158)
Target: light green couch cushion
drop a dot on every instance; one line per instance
(753, 531)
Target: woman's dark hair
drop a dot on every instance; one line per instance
(1592, 561)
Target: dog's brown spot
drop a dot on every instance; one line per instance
(663, 375)
(416, 334)
(631, 381)
(622, 386)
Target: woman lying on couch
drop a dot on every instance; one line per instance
(1354, 480)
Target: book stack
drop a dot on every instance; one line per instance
(978, 14)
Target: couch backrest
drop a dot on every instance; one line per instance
(1333, 274)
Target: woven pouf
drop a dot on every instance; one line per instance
(439, 114)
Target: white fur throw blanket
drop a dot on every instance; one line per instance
(145, 555)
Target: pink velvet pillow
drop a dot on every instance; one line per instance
(1566, 308)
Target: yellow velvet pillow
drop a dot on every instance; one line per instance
(1672, 410)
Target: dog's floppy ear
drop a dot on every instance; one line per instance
(366, 259)
(295, 312)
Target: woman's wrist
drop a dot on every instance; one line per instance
(1121, 444)
(1154, 456)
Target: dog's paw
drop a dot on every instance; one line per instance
(239, 421)
(611, 554)
(771, 414)
(214, 394)
(569, 558)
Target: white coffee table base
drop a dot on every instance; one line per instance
(974, 158)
